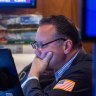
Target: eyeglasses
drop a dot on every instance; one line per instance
(37, 45)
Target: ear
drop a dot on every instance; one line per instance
(67, 46)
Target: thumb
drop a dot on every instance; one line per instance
(48, 57)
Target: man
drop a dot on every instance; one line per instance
(58, 47)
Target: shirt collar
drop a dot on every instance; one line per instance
(66, 66)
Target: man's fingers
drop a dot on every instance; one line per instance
(48, 57)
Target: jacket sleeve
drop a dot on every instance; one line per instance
(32, 88)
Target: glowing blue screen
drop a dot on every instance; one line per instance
(91, 18)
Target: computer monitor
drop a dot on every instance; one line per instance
(18, 3)
(88, 24)
(9, 80)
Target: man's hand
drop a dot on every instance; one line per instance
(40, 65)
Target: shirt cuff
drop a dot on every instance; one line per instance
(29, 78)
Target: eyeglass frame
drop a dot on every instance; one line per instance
(42, 45)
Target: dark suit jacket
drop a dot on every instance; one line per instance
(80, 72)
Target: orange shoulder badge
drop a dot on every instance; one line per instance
(66, 85)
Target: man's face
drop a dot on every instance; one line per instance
(45, 34)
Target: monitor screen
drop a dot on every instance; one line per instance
(18, 3)
(9, 80)
(14, 1)
(89, 20)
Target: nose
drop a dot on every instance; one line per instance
(38, 52)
